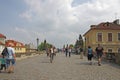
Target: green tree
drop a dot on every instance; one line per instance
(79, 43)
(43, 46)
(71, 45)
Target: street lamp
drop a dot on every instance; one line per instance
(37, 43)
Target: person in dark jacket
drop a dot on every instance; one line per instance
(99, 51)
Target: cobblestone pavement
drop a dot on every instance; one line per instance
(62, 68)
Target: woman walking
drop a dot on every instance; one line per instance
(90, 54)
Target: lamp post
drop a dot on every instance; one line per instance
(37, 43)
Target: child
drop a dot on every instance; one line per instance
(3, 63)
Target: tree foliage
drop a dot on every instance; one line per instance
(43, 46)
(79, 43)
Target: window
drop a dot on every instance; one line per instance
(109, 36)
(99, 37)
(118, 36)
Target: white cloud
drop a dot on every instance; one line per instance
(26, 15)
(58, 20)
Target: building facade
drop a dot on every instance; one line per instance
(30, 48)
(107, 34)
(2, 42)
(18, 46)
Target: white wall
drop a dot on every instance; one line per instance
(1, 48)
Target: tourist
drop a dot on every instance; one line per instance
(90, 54)
(3, 63)
(10, 59)
(81, 53)
(69, 51)
(99, 51)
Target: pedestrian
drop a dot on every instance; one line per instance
(47, 51)
(99, 50)
(52, 53)
(81, 53)
(3, 63)
(90, 54)
(66, 51)
(69, 50)
(10, 59)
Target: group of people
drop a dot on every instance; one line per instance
(90, 53)
(8, 59)
(99, 52)
(68, 50)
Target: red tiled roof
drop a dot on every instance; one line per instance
(107, 26)
(14, 43)
(2, 36)
(104, 26)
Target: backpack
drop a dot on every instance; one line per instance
(5, 52)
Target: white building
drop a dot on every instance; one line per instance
(2, 42)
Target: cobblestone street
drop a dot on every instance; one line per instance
(62, 68)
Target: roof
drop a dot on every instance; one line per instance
(14, 43)
(2, 36)
(104, 26)
(107, 26)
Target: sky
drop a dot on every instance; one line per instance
(59, 22)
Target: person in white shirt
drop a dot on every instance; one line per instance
(10, 59)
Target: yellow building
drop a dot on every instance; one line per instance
(18, 46)
(107, 34)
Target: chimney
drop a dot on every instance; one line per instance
(93, 26)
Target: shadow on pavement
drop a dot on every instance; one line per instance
(82, 63)
(45, 62)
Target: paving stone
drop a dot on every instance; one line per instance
(62, 68)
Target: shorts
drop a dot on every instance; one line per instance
(10, 62)
(99, 55)
(90, 56)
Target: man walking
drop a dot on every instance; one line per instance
(10, 59)
(99, 51)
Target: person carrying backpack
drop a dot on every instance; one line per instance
(10, 56)
(5, 52)
(90, 54)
